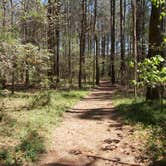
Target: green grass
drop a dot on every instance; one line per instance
(148, 119)
(27, 119)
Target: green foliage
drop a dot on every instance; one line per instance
(165, 40)
(151, 72)
(8, 157)
(28, 150)
(158, 2)
(40, 100)
(15, 57)
(24, 126)
(32, 13)
(32, 145)
(142, 112)
(146, 120)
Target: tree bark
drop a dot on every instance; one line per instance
(155, 42)
(14, 64)
(122, 67)
(57, 55)
(69, 41)
(53, 14)
(82, 44)
(97, 61)
(143, 29)
(112, 60)
(134, 8)
(4, 14)
(139, 20)
(103, 54)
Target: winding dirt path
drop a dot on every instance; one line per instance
(91, 134)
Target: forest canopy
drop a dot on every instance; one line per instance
(72, 42)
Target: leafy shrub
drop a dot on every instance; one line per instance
(40, 100)
(156, 143)
(32, 145)
(2, 108)
(9, 157)
(28, 150)
(145, 117)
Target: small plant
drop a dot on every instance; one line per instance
(152, 74)
(45, 83)
(146, 118)
(2, 109)
(27, 151)
(156, 143)
(150, 71)
(40, 100)
(24, 127)
(9, 157)
(32, 145)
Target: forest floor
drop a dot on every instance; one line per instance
(27, 119)
(93, 134)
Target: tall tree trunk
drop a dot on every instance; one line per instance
(97, 60)
(103, 54)
(139, 20)
(96, 43)
(14, 64)
(155, 42)
(4, 14)
(82, 43)
(143, 28)
(24, 41)
(50, 32)
(3, 33)
(57, 43)
(122, 67)
(12, 13)
(53, 14)
(94, 37)
(94, 62)
(50, 37)
(27, 75)
(57, 55)
(112, 62)
(69, 40)
(134, 9)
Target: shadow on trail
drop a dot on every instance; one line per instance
(142, 112)
(57, 164)
(92, 161)
(102, 96)
(159, 163)
(150, 117)
(97, 114)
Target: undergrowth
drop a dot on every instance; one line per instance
(27, 151)
(26, 121)
(147, 117)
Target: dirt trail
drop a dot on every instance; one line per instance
(91, 134)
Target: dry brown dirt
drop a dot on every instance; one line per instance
(91, 134)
